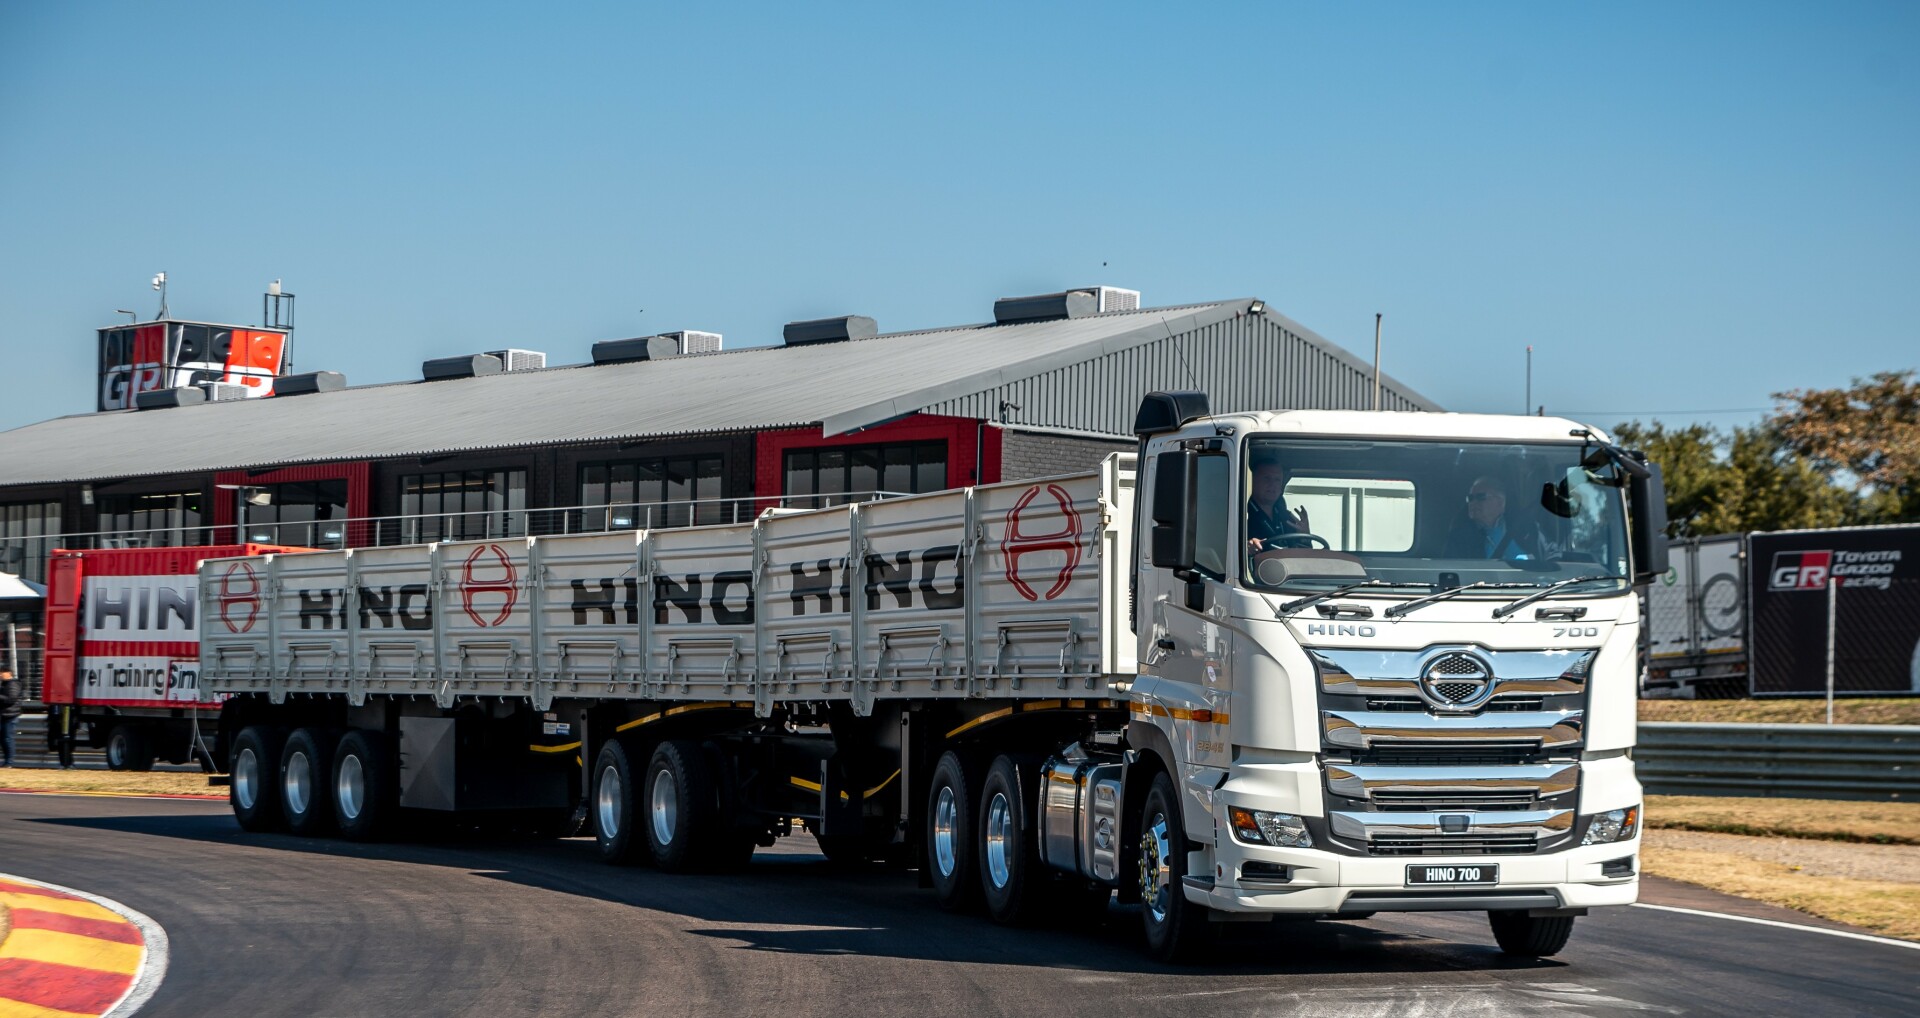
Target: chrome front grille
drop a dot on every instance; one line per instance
(1451, 751)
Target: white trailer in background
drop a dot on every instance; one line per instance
(1697, 620)
(1003, 685)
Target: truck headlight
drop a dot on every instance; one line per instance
(1259, 827)
(1613, 825)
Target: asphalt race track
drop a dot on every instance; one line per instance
(277, 925)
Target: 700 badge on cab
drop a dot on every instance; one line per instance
(1576, 632)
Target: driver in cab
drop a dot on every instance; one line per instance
(1268, 518)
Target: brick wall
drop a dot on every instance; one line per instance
(1036, 454)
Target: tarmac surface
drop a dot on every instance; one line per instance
(279, 925)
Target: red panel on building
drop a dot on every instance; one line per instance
(967, 441)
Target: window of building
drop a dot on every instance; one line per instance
(832, 476)
(158, 520)
(309, 514)
(459, 505)
(661, 491)
(1356, 514)
(28, 531)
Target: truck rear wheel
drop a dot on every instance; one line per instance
(1530, 936)
(305, 766)
(615, 827)
(129, 748)
(1013, 880)
(1173, 925)
(365, 787)
(683, 809)
(951, 804)
(254, 788)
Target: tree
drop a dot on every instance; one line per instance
(1871, 430)
(1749, 479)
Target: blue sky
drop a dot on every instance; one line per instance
(1683, 207)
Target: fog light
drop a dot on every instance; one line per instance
(1613, 825)
(1259, 827)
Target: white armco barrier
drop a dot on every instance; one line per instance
(1009, 590)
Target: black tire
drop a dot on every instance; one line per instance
(253, 788)
(365, 786)
(306, 767)
(129, 748)
(1529, 936)
(681, 807)
(616, 821)
(952, 800)
(1175, 928)
(1015, 884)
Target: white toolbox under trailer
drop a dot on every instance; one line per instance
(956, 679)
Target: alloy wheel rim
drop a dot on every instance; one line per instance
(608, 801)
(299, 782)
(246, 777)
(351, 788)
(946, 820)
(664, 807)
(1156, 867)
(999, 839)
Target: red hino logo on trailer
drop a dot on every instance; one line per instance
(239, 597)
(476, 584)
(1017, 544)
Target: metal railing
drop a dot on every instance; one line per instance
(425, 528)
(1868, 762)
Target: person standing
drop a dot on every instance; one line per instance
(11, 705)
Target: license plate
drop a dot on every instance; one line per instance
(1453, 875)
(1685, 673)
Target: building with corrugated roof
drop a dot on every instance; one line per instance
(654, 432)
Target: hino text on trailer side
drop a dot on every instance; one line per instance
(1045, 692)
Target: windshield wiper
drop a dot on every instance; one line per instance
(1544, 592)
(1312, 599)
(1451, 592)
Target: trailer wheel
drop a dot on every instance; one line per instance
(951, 804)
(1013, 880)
(305, 766)
(615, 827)
(254, 789)
(129, 748)
(1173, 925)
(366, 789)
(683, 809)
(1530, 936)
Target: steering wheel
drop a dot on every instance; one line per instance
(1297, 540)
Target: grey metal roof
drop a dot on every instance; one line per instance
(1085, 373)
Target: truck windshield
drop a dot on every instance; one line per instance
(1322, 513)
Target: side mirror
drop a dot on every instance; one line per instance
(1647, 524)
(1174, 511)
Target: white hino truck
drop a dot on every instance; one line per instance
(1416, 694)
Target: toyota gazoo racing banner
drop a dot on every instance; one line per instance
(1872, 575)
(166, 355)
(140, 644)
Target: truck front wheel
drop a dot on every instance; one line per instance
(129, 749)
(950, 842)
(306, 764)
(1530, 936)
(615, 829)
(1173, 925)
(254, 789)
(365, 787)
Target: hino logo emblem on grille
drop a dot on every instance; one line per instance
(1456, 681)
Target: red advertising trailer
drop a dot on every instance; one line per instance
(123, 654)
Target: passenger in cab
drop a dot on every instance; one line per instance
(1491, 534)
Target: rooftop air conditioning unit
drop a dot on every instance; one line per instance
(221, 392)
(696, 342)
(519, 360)
(1113, 298)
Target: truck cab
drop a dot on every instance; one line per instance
(1405, 682)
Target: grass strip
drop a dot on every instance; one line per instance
(1873, 823)
(120, 782)
(1882, 906)
(1847, 711)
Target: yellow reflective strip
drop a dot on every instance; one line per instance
(73, 949)
(555, 749)
(637, 723)
(811, 786)
(883, 784)
(981, 720)
(1041, 705)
